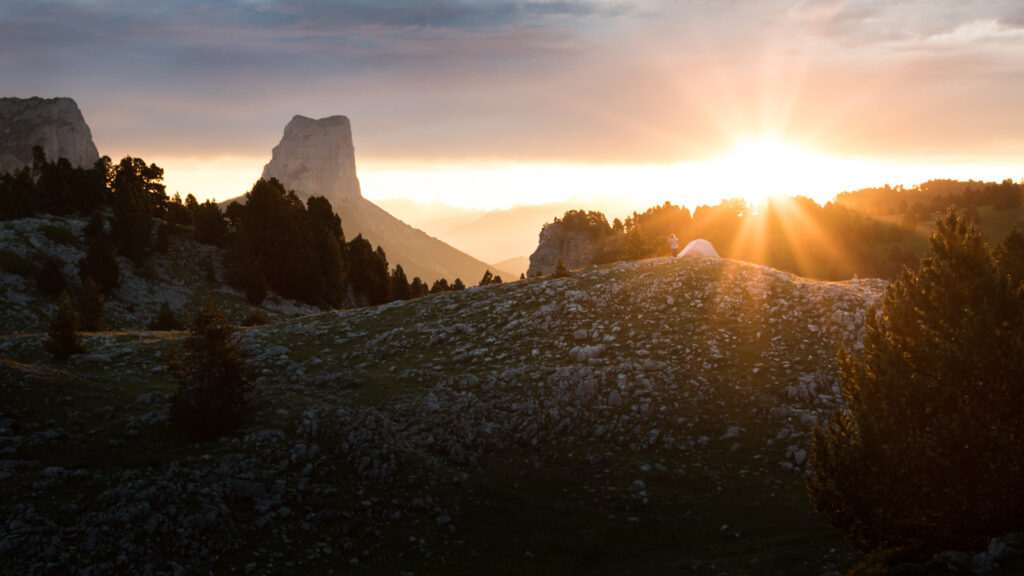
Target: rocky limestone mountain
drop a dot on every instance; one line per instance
(56, 124)
(575, 248)
(317, 158)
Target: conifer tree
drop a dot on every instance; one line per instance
(165, 319)
(487, 277)
(212, 377)
(400, 284)
(926, 454)
(63, 339)
(560, 270)
(91, 303)
(1010, 256)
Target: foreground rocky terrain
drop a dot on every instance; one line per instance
(647, 417)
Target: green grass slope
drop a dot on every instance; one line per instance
(637, 418)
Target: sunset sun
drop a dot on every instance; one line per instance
(758, 169)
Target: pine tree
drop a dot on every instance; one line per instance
(91, 303)
(63, 339)
(486, 278)
(50, 277)
(1010, 256)
(165, 319)
(212, 378)
(926, 454)
(458, 285)
(400, 284)
(101, 265)
(560, 270)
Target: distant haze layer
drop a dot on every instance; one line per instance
(615, 189)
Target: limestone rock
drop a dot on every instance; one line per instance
(56, 124)
(576, 249)
(316, 158)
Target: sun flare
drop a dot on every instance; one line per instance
(759, 169)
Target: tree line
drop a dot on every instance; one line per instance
(795, 234)
(272, 240)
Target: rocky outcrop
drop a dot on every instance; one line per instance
(56, 124)
(317, 158)
(575, 248)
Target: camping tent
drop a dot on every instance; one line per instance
(698, 249)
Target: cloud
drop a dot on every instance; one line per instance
(609, 81)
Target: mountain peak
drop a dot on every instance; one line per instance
(56, 124)
(316, 157)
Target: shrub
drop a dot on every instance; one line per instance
(59, 234)
(63, 339)
(255, 318)
(212, 378)
(926, 455)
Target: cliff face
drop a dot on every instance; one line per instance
(56, 124)
(317, 158)
(576, 249)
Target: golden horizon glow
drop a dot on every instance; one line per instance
(753, 170)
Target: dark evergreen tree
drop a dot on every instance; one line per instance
(165, 319)
(496, 280)
(1010, 256)
(458, 285)
(63, 339)
(212, 378)
(163, 238)
(133, 208)
(560, 270)
(329, 249)
(210, 227)
(400, 285)
(926, 455)
(440, 285)
(243, 269)
(17, 195)
(177, 213)
(417, 288)
(90, 302)
(50, 277)
(100, 264)
(369, 271)
(486, 278)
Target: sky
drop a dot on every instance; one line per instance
(491, 103)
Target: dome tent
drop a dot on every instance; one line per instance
(699, 248)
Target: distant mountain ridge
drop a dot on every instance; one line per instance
(317, 158)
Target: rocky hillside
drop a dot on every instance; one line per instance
(180, 278)
(56, 124)
(647, 418)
